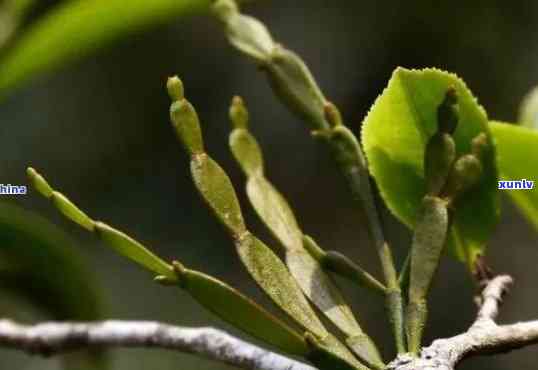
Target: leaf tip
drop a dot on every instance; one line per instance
(175, 88)
(39, 182)
(238, 113)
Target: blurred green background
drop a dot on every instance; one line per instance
(99, 130)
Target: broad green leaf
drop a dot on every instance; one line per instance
(39, 263)
(74, 29)
(517, 157)
(240, 311)
(394, 135)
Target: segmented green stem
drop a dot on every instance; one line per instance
(293, 83)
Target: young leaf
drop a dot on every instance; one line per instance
(517, 149)
(240, 311)
(122, 243)
(274, 211)
(395, 133)
(74, 29)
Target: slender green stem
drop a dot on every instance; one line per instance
(352, 163)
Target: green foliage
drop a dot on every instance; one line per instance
(517, 159)
(261, 262)
(240, 311)
(234, 307)
(429, 149)
(395, 134)
(275, 212)
(120, 242)
(74, 29)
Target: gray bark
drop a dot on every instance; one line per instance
(483, 337)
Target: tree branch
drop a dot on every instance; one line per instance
(53, 338)
(483, 337)
(492, 296)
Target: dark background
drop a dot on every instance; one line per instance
(99, 130)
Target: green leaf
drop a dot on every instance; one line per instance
(39, 263)
(240, 311)
(394, 135)
(74, 29)
(517, 156)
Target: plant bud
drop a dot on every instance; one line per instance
(479, 145)
(439, 156)
(448, 112)
(464, 175)
(239, 113)
(175, 88)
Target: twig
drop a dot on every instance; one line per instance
(483, 337)
(54, 338)
(491, 299)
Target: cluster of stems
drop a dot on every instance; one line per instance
(447, 177)
(305, 273)
(297, 89)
